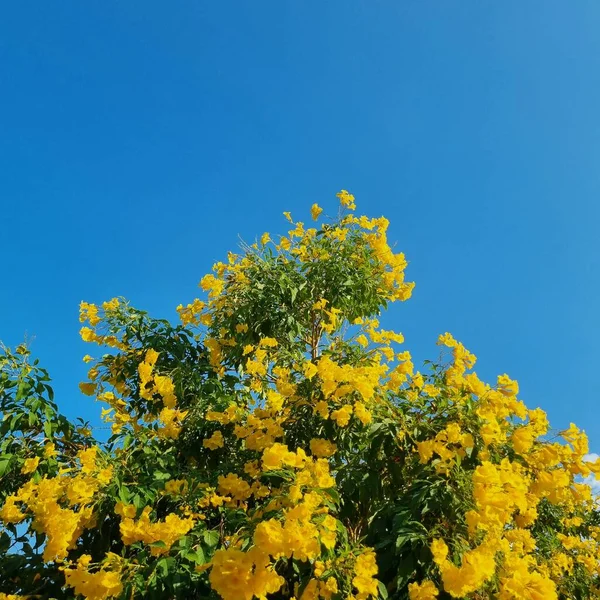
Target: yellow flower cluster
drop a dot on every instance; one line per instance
(322, 448)
(193, 314)
(426, 590)
(305, 525)
(364, 581)
(167, 532)
(236, 576)
(152, 384)
(93, 586)
(447, 444)
(478, 566)
(60, 507)
(95, 316)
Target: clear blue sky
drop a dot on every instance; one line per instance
(139, 139)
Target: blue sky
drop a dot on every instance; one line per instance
(138, 140)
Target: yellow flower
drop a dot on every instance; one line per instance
(111, 305)
(365, 568)
(234, 486)
(214, 441)
(431, 390)
(105, 476)
(176, 487)
(49, 450)
(362, 414)
(125, 510)
(322, 409)
(322, 448)
(522, 583)
(87, 458)
(87, 334)
(426, 590)
(143, 530)
(330, 587)
(439, 550)
(315, 211)
(94, 586)
(507, 386)
(362, 340)
(231, 575)
(522, 439)
(269, 537)
(213, 285)
(447, 340)
(342, 415)
(30, 465)
(320, 305)
(275, 456)
(478, 566)
(310, 370)
(10, 512)
(346, 199)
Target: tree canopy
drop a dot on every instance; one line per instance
(279, 443)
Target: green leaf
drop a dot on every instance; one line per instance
(211, 538)
(124, 494)
(196, 556)
(162, 566)
(383, 593)
(4, 463)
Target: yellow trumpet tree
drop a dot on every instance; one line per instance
(278, 443)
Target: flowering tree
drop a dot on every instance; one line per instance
(279, 444)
